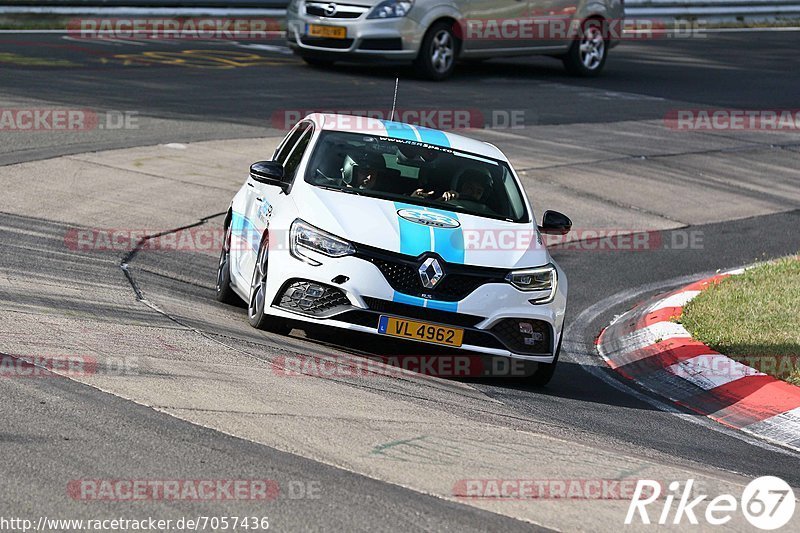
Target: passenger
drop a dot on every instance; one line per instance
(473, 185)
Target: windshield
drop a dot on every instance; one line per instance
(416, 173)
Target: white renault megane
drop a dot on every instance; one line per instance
(399, 231)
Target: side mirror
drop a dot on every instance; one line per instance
(555, 223)
(269, 173)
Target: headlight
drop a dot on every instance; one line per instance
(389, 9)
(536, 279)
(303, 235)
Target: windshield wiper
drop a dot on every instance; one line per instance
(348, 190)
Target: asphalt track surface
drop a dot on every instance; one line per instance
(55, 429)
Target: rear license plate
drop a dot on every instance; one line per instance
(328, 32)
(420, 331)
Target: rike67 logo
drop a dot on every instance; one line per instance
(767, 503)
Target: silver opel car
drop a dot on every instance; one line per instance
(434, 34)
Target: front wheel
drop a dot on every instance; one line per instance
(257, 304)
(437, 54)
(587, 55)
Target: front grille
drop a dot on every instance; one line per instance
(310, 298)
(343, 11)
(403, 278)
(422, 313)
(524, 336)
(390, 43)
(402, 273)
(325, 42)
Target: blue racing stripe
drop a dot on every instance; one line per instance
(448, 242)
(443, 306)
(245, 230)
(399, 297)
(414, 238)
(433, 137)
(398, 130)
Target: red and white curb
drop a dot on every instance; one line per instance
(648, 347)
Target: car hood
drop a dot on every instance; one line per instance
(378, 223)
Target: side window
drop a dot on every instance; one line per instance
(293, 161)
(282, 146)
(289, 142)
(517, 204)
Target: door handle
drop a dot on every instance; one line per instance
(259, 199)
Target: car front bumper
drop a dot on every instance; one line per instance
(396, 38)
(356, 294)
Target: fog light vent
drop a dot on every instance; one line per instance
(310, 298)
(523, 335)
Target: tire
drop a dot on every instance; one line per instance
(437, 53)
(318, 62)
(587, 55)
(544, 371)
(224, 292)
(257, 304)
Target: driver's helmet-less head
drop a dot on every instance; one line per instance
(364, 162)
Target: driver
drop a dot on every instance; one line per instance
(362, 171)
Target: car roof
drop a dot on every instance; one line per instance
(400, 130)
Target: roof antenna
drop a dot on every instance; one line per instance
(394, 101)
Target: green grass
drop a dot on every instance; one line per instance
(753, 318)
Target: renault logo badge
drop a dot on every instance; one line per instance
(430, 272)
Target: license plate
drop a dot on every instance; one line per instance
(330, 32)
(420, 331)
